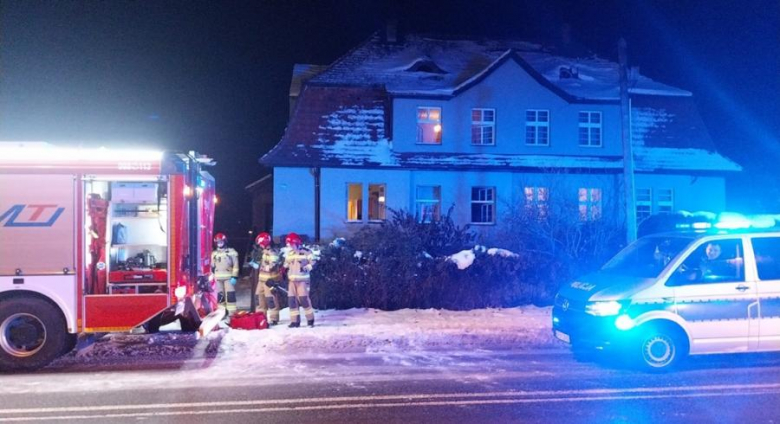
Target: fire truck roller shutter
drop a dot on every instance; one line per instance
(32, 333)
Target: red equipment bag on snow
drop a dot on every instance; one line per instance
(244, 320)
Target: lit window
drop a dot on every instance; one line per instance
(537, 127)
(376, 202)
(589, 204)
(483, 205)
(354, 202)
(428, 201)
(536, 200)
(665, 200)
(590, 129)
(483, 126)
(429, 125)
(644, 204)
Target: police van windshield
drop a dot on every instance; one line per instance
(647, 257)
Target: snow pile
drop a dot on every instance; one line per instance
(502, 252)
(465, 258)
(462, 259)
(353, 330)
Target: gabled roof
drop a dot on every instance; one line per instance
(396, 67)
(302, 73)
(343, 114)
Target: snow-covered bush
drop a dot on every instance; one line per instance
(406, 264)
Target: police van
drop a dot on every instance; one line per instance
(712, 288)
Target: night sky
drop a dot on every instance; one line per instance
(214, 76)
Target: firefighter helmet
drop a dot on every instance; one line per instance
(263, 240)
(293, 239)
(219, 237)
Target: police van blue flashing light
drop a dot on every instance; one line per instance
(731, 221)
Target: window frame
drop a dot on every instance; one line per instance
(360, 208)
(537, 198)
(418, 202)
(659, 203)
(676, 278)
(482, 124)
(427, 121)
(536, 125)
(589, 126)
(644, 203)
(491, 203)
(761, 266)
(381, 204)
(589, 204)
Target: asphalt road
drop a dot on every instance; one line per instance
(430, 387)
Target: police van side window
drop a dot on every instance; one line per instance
(767, 251)
(719, 261)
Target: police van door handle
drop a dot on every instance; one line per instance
(742, 287)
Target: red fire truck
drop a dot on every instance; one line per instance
(95, 241)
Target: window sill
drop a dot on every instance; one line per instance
(482, 224)
(591, 147)
(537, 145)
(376, 221)
(483, 145)
(353, 222)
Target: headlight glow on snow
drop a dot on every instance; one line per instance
(603, 309)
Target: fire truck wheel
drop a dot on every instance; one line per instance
(32, 334)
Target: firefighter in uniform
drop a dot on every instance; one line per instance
(268, 262)
(298, 261)
(224, 268)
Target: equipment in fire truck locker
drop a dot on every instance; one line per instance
(139, 224)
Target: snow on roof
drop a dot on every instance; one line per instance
(651, 159)
(451, 64)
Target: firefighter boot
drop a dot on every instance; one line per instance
(310, 322)
(294, 325)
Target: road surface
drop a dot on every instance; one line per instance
(430, 387)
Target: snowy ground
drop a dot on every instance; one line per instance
(350, 331)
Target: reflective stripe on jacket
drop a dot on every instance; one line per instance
(270, 264)
(224, 263)
(299, 264)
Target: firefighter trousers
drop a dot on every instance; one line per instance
(298, 297)
(226, 295)
(267, 300)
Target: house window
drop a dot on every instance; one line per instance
(429, 125)
(536, 200)
(644, 204)
(665, 200)
(376, 202)
(483, 205)
(537, 127)
(590, 129)
(590, 204)
(483, 126)
(354, 202)
(428, 201)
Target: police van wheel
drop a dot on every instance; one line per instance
(662, 347)
(32, 334)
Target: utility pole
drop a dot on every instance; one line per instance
(628, 152)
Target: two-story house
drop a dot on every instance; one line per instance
(429, 124)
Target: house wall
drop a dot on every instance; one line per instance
(510, 91)
(293, 201)
(401, 192)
